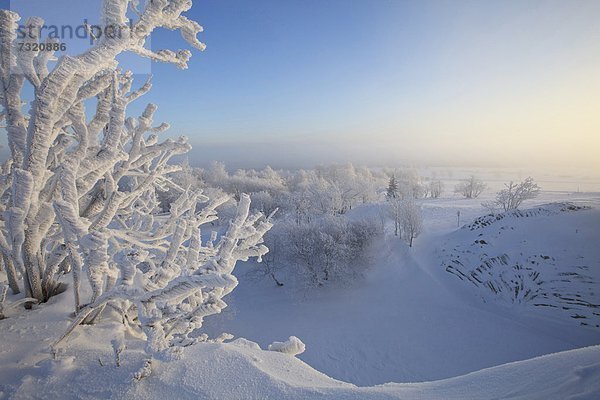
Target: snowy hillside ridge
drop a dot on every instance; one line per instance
(547, 209)
(547, 262)
(241, 371)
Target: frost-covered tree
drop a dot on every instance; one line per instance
(513, 194)
(394, 211)
(264, 202)
(325, 196)
(470, 188)
(327, 250)
(298, 206)
(407, 183)
(436, 187)
(79, 188)
(326, 190)
(411, 220)
(350, 184)
(392, 189)
(216, 174)
(406, 215)
(187, 177)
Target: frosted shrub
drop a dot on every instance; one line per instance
(327, 250)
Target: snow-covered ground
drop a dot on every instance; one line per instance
(407, 320)
(240, 370)
(410, 320)
(86, 369)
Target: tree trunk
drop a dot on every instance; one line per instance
(32, 269)
(11, 274)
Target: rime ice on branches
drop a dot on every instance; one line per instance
(79, 193)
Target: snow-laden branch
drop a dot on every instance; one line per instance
(80, 185)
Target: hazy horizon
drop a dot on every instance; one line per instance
(419, 83)
(299, 83)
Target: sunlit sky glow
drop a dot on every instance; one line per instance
(299, 82)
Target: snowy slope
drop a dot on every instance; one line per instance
(544, 260)
(410, 320)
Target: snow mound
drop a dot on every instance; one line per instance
(293, 346)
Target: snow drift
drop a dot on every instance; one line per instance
(237, 371)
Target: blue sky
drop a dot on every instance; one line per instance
(383, 81)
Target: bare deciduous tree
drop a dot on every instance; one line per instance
(394, 210)
(436, 187)
(511, 197)
(470, 188)
(411, 220)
